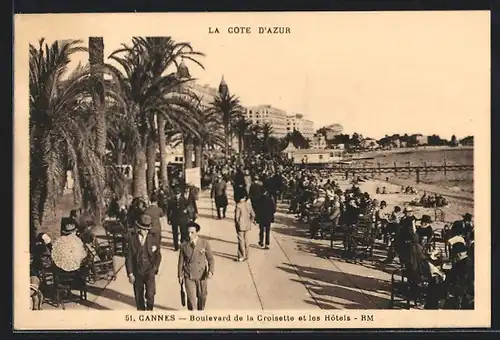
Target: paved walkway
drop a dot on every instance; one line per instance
(296, 273)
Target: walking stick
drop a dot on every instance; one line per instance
(212, 205)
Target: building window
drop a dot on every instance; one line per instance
(331, 154)
(320, 156)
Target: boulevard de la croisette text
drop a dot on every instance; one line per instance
(264, 30)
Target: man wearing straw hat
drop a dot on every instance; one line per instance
(142, 262)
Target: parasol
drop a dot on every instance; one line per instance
(68, 253)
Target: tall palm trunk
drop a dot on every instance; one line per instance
(240, 143)
(188, 153)
(226, 139)
(119, 152)
(198, 154)
(139, 186)
(163, 153)
(96, 61)
(151, 161)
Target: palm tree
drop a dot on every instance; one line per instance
(96, 62)
(267, 131)
(148, 93)
(274, 147)
(228, 106)
(253, 141)
(61, 135)
(209, 133)
(241, 127)
(297, 139)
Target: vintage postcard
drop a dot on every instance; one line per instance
(252, 170)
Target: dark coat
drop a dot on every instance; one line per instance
(460, 285)
(265, 210)
(425, 232)
(177, 211)
(192, 207)
(219, 193)
(133, 245)
(155, 212)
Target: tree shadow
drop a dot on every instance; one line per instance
(322, 249)
(286, 225)
(223, 255)
(345, 286)
(93, 305)
(209, 238)
(117, 296)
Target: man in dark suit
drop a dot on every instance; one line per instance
(255, 191)
(219, 194)
(155, 212)
(239, 186)
(464, 227)
(195, 266)
(142, 262)
(266, 208)
(178, 217)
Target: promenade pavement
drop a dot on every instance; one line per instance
(296, 273)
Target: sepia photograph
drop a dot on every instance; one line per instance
(252, 170)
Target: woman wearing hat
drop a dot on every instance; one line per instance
(425, 231)
(142, 262)
(68, 252)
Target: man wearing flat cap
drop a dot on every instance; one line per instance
(195, 266)
(142, 262)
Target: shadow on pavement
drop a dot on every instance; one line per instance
(206, 237)
(227, 256)
(320, 250)
(323, 250)
(341, 285)
(117, 296)
(93, 305)
(286, 225)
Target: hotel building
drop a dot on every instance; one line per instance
(298, 122)
(273, 116)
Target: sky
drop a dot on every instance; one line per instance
(373, 73)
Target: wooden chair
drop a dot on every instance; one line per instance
(116, 233)
(63, 284)
(101, 262)
(402, 288)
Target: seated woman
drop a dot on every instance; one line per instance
(68, 251)
(425, 232)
